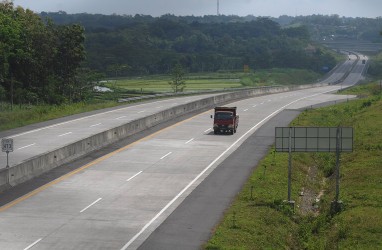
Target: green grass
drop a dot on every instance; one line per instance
(218, 80)
(25, 115)
(265, 222)
(137, 86)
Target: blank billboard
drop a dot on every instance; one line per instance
(313, 139)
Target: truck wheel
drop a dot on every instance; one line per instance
(216, 132)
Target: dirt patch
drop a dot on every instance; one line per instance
(309, 198)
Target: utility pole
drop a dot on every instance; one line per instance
(218, 13)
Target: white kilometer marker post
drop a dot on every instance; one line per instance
(91, 205)
(189, 141)
(66, 134)
(30, 145)
(32, 245)
(132, 177)
(165, 155)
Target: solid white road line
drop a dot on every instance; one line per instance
(31, 245)
(66, 134)
(132, 177)
(120, 117)
(30, 145)
(141, 111)
(165, 155)
(209, 166)
(91, 205)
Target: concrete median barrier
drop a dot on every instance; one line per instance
(39, 164)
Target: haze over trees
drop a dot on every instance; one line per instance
(153, 45)
(51, 57)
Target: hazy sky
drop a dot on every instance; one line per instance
(275, 8)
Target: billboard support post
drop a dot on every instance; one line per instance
(315, 139)
(290, 165)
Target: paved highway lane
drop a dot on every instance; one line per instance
(118, 200)
(45, 139)
(41, 140)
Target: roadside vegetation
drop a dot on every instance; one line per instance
(217, 80)
(259, 219)
(24, 114)
(375, 68)
(52, 62)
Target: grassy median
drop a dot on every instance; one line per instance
(259, 219)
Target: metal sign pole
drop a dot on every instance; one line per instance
(7, 159)
(290, 165)
(7, 167)
(337, 165)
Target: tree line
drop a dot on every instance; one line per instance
(142, 44)
(51, 57)
(39, 60)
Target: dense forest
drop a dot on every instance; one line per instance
(39, 61)
(57, 57)
(136, 45)
(335, 27)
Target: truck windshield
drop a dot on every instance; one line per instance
(223, 115)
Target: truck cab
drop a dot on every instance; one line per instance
(225, 120)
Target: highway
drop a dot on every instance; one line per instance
(118, 200)
(30, 143)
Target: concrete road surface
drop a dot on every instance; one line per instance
(116, 201)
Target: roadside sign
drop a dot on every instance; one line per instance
(7, 145)
(313, 139)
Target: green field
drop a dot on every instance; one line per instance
(22, 115)
(265, 222)
(161, 84)
(217, 80)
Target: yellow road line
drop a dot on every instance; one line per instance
(105, 157)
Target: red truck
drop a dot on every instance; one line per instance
(225, 120)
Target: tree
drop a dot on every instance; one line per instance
(38, 56)
(177, 75)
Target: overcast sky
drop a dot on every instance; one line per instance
(274, 8)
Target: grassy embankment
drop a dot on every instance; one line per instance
(264, 222)
(24, 115)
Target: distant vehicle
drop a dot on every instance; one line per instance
(364, 61)
(225, 120)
